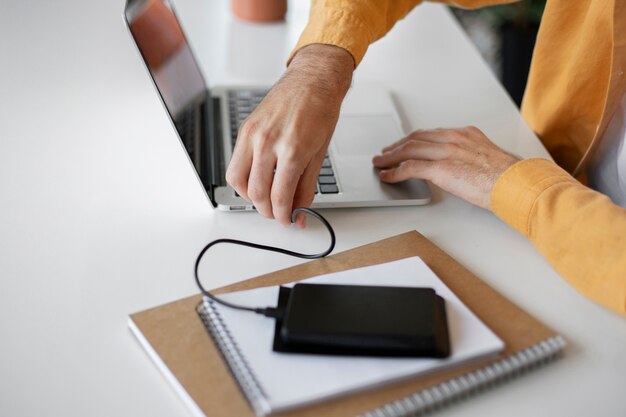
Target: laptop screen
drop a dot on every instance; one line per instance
(167, 55)
(177, 77)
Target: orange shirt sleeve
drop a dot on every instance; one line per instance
(354, 25)
(579, 231)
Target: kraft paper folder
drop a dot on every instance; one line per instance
(178, 336)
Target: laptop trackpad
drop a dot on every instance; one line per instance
(365, 135)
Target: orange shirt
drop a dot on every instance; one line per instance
(575, 84)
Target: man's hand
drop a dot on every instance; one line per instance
(281, 145)
(462, 161)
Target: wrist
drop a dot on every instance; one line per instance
(329, 67)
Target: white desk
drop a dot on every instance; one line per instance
(101, 215)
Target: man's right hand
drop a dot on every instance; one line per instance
(281, 145)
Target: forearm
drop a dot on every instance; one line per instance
(579, 231)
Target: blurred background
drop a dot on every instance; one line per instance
(505, 36)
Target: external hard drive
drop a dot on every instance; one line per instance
(362, 320)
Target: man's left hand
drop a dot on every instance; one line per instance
(462, 161)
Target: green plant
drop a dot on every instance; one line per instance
(522, 14)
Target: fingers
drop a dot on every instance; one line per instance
(274, 182)
(284, 186)
(305, 191)
(239, 167)
(436, 136)
(409, 169)
(413, 149)
(459, 135)
(260, 181)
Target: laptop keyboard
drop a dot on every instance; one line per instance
(242, 103)
(187, 124)
(326, 182)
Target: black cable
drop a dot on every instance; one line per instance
(266, 311)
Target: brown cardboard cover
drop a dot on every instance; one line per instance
(177, 334)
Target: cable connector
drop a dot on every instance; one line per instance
(273, 312)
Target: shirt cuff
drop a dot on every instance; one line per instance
(518, 189)
(329, 26)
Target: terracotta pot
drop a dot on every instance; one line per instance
(259, 10)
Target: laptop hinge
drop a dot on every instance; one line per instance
(216, 151)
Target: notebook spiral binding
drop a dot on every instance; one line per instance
(440, 395)
(234, 358)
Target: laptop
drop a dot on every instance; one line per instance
(207, 121)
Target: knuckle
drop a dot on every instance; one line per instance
(456, 135)
(414, 134)
(402, 152)
(450, 148)
(411, 165)
(472, 130)
(383, 160)
(247, 128)
(391, 175)
(263, 139)
(291, 157)
(280, 199)
(256, 193)
(234, 179)
(408, 145)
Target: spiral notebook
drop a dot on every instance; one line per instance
(216, 378)
(273, 382)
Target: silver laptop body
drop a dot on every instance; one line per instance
(207, 121)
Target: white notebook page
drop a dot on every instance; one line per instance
(291, 380)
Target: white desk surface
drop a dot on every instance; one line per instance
(101, 216)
